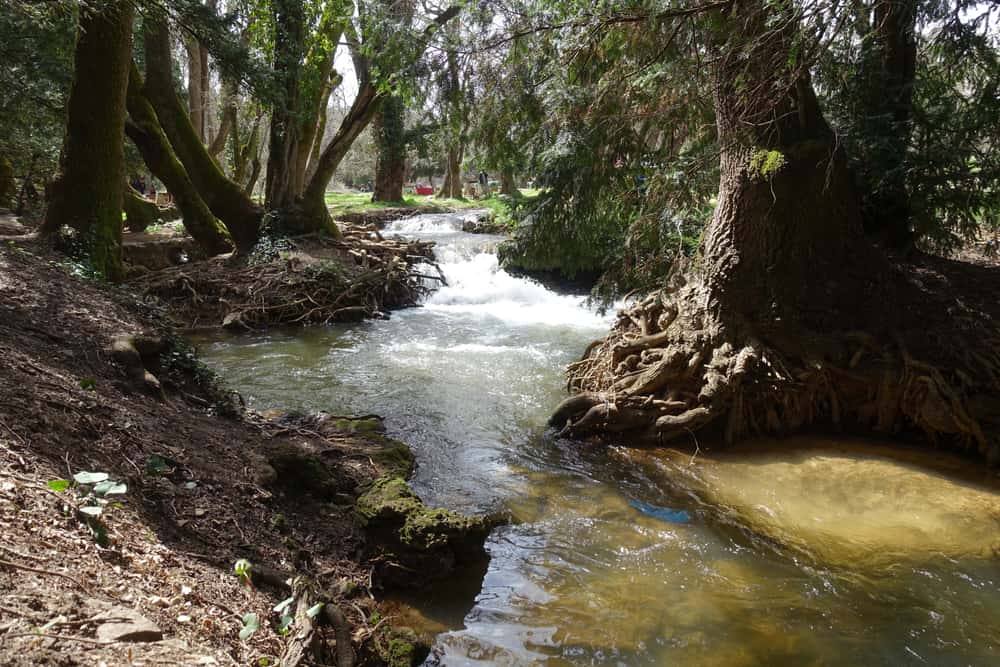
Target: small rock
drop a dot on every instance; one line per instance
(127, 625)
(183, 618)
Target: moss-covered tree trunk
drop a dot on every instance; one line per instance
(146, 133)
(390, 138)
(140, 213)
(225, 198)
(289, 50)
(87, 194)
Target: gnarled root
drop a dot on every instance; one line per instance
(670, 367)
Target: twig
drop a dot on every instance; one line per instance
(36, 570)
(83, 640)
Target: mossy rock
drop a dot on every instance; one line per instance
(299, 472)
(394, 459)
(428, 542)
(404, 649)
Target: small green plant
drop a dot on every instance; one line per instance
(88, 384)
(93, 491)
(251, 624)
(243, 569)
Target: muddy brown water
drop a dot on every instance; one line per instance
(814, 551)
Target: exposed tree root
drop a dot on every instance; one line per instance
(307, 279)
(670, 367)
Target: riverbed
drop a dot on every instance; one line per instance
(815, 551)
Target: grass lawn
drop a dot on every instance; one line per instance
(352, 202)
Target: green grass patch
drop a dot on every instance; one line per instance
(355, 202)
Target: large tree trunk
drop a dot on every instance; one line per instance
(390, 167)
(226, 199)
(289, 50)
(87, 195)
(310, 211)
(889, 72)
(451, 188)
(789, 316)
(157, 153)
(507, 185)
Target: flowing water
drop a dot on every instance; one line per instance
(826, 556)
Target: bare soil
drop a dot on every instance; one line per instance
(203, 490)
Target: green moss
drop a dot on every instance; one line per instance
(404, 649)
(395, 458)
(764, 163)
(400, 520)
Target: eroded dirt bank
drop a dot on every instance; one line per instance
(94, 382)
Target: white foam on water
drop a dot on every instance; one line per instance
(478, 286)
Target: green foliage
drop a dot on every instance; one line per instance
(951, 165)
(36, 49)
(251, 624)
(627, 172)
(91, 491)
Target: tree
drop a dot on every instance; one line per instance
(455, 113)
(87, 194)
(390, 165)
(226, 199)
(145, 131)
(788, 315)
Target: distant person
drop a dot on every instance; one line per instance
(484, 184)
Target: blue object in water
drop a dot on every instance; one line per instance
(661, 513)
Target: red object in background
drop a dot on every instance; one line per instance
(425, 190)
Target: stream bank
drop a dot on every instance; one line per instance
(612, 558)
(99, 382)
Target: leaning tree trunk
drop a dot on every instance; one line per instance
(309, 213)
(789, 316)
(390, 138)
(226, 199)
(145, 132)
(87, 195)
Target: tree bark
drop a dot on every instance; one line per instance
(889, 73)
(157, 153)
(289, 51)
(230, 113)
(87, 194)
(507, 185)
(311, 213)
(390, 166)
(225, 198)
(140, 213)
(787, 210)
(454, 139)
(197, 64)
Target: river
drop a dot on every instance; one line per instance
(822, 557)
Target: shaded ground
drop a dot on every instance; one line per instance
(203, 490)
